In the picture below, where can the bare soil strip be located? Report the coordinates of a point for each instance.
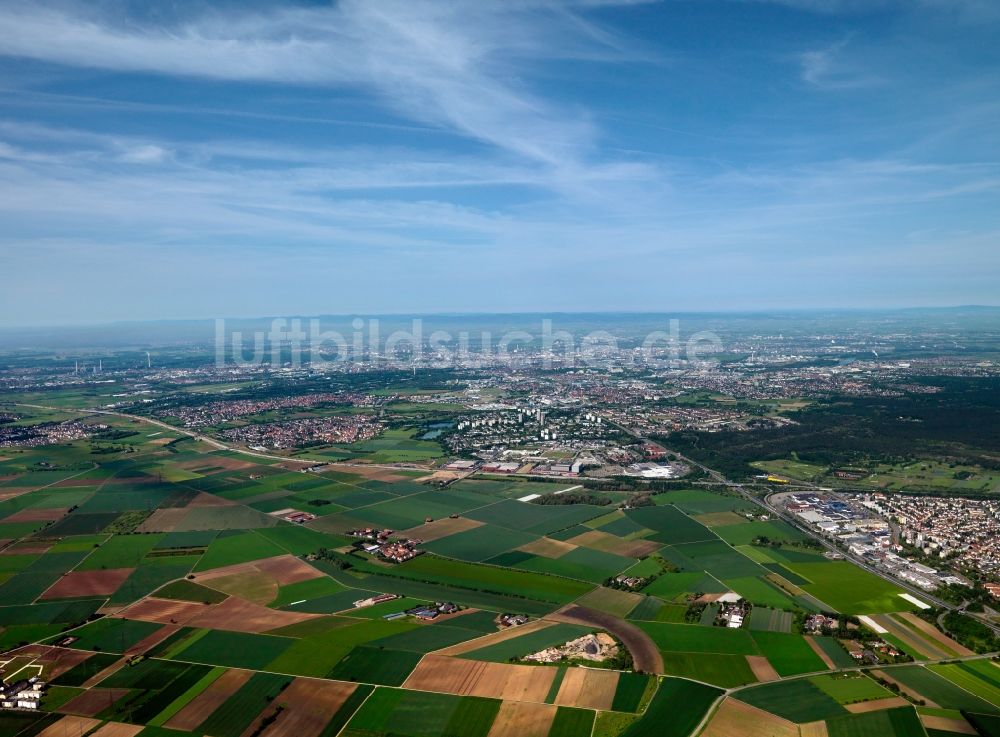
(87, 583)
(588, 688)
(933, 632)
(548, 548)
(518, 719)
(762, 669)
(439, 528)
(478, 678)
(239, 615)
(905, 690)
(70, 726)
(959, 726)
(736, 718)
(165, 611)
(877, 705)
(910, 639)
(201, 707)
(813, 729)
(306, 708)
(93, 701)
(117, 729)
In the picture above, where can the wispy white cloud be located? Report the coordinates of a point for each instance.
(833, 68)
(966, 10)
(455, 65)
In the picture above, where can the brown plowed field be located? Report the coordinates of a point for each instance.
(165, 611)
(93, 700)
(736, 718)
(210, 500)
(99, 677)
(282, 569)
(944, 724)
(10, 492)
(548, 548)
(442, 528)
(813, 729)
(243, 616)
(516, 719)
(163, 520)
(644, 652)
(876, 705)
(36, 515)
(372, 472)
(478, 678)
(588, 688)
(201, 706)
(117, 729)
(762, 669)
(217, 461)
(152, 640)
(609, 543)
(254, 586)
(88, 583)
(286, 569)
(27, 547)
(719, 519)
(70, 726)
(308, 704)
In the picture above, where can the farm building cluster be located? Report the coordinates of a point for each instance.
(380, 543)
(22, 694)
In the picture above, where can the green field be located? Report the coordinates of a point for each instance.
(239, 710)
(376, 665)
(480, 543)
(227, 551)
(570, 722)
(112, 635)
(789, 654)
(670, 525)
(539, 586)
(235, 649)
(418, 714)
(899, 722)
(526, 644)
(745, 533)
(798, 701)
(940, 690)
(975, 680)
(690, 638)
(850, 688)
(720, 670)
(675, 710)
(849, 589)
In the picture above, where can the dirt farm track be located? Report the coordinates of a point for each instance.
(645, 656)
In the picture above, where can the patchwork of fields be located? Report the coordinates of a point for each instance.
(246, 626)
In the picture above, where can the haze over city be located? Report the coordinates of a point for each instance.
(196, 160)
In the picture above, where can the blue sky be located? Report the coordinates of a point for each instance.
(189, 159)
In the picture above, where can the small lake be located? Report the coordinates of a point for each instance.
(435, 430)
